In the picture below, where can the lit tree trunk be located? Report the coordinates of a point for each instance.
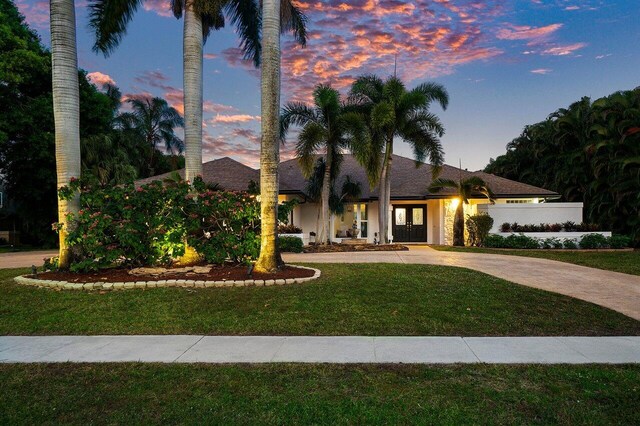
(458, 226)
(384, 200)
(326, 192)
(66, 110)
(269, 260)
(192, 63)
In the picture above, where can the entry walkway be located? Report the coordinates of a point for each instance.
(320, 349)
(24, 259)
(614, 290)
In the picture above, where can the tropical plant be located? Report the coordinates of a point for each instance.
(330, 127)
(109, 20)
(465, 188)
(393, 111)
(588, 152)
(290, 244)
(153, 120)
(66, 112)
(479, 226)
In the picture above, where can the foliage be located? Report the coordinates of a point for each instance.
(593, 241)
(588, 152)
(570, 244)
(551, 243)
(512, 241)
(478, 227)
(290, 244)
(149, 225)
(494, 241)
(618, 241)
(550, 227)
(289, 229)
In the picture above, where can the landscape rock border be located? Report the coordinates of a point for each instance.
(110, 286)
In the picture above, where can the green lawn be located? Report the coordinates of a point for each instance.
(627, 262)
(364, 299)
(318, 394)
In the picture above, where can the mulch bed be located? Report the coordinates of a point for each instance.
(337, 248)
(217, 273)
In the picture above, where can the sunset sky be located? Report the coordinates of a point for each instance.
(505, 63)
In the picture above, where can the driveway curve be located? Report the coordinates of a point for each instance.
(613, 290)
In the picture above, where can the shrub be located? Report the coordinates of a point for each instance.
(569, 226)
(593, 241)
(149, 225)
(3, 242)
(521, 242)
(549, 243)
(555, 227)
(505, 227)
(569, 244)
(619, 241)
(289, 229)
(290, 244)
(478, 227)
(494, 241)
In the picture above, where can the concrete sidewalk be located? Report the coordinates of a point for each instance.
(320, 349)
(24, 259)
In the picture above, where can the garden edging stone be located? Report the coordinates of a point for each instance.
(198, 283)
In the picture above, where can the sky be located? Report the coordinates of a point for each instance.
(505, 64)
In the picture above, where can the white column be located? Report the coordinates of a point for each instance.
(390, 224)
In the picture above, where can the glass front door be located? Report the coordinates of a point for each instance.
(409, 223)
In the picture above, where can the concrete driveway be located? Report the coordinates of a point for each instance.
(614, 290)
(24, 259)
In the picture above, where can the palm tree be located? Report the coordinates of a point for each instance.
(328, 126)
(393, 111)
(66, 111)
(464, 188)
(270, 259)
(109, 20)
(154, 121)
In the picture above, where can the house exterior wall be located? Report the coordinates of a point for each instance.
(532, 214)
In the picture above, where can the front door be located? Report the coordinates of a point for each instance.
(409, 223)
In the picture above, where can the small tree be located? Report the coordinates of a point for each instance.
(479, 226)
(464, 188)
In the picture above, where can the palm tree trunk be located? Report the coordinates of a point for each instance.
(458, 226)
(326, 192)
(270, 260)
(192, 65)
(66, 110)
(384, 199)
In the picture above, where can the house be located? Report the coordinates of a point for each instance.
(417, 215)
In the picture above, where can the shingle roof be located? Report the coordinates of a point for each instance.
(407, 180)
(226, 172)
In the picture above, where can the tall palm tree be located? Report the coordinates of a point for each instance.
(66, 111)
(465, 188)
(327, 126)
(154, 121)
(109, 20)
(393, 111)
(269, 259)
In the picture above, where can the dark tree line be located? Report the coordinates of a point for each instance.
(115, 147)
(588, 152)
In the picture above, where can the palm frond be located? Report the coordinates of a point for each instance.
(108, 20)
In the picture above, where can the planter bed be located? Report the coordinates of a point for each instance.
(336, 248)
(218, 276)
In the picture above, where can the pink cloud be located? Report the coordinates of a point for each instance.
(542, 71)
(234, 118)
(36, 14)
(100, 79)
(209, 56)
(563, 50)
(513, 32)
(159, 7)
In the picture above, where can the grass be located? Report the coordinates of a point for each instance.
(627, 262)
(318, 394)
(365, 299)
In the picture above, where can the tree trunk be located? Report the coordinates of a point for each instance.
(192, 63)
(270, 260)
(66, 111)
(458, 226)
(325, 230)
(384, 200)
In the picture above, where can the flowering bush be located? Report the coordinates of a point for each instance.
(149, 225)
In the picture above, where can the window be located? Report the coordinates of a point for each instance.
(364, 215)
(519, 201)
(401, 216)
(417, 216)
